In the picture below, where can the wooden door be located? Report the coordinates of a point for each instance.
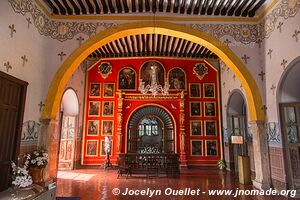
(12, 103)
(67, 143)
(290, 120)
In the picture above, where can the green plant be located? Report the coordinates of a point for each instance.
(221, 165)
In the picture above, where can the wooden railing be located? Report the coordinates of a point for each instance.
(148, 164)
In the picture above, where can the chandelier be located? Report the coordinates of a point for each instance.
(154, 87)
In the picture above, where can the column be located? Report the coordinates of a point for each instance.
(261, 155)
(119, 123)
(49, 140)
(182, 132)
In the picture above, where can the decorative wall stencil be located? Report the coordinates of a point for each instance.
(264, 108)
(12, 30)
(28, 22)
(295, 35)
(227, 42)
(8, 66)
(270, 53)
(41, 105)
(30, 131)
(234, 77)
(273, 132)
(262, 74)
(80, 40)
(273, 89)
(279, 27)
(283, 64)
(250, 135)
(245, 58)
(61, 55)
(200, 70)
(25, 59)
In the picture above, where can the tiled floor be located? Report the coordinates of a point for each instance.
(92, 184)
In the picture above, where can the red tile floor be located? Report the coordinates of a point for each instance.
(98, 184)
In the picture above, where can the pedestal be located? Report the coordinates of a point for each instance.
(244, 169)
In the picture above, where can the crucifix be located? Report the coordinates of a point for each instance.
(12, 30)
(283, 64)
(270, 53)
(80, 39)
(273, 88)
(279, 27)
(41, 105)
(245, 58)
(24, 58)
(227, 42)
(28, 22)
(295, 35)
(8, 66)
(262, 74)
(264, 108)
(61, 54)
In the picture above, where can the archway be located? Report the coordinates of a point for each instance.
(288, 97)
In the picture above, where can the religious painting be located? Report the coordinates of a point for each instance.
(108, 108)
(94, 90)
(210, 109)
(177, 79)
(195, 91)
(109, 90)
(127, 79)
(210, 128)
(91, 147)
(195, 127)
(211, 148)
(93, 127)
(195, 109)
(94, 108)
(196, 148)
(152, 69)
(102, 148)
(209, 90)
(107, 127)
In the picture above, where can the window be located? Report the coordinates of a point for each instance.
(148, 126)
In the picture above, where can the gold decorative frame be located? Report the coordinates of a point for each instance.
(99, 105)
(206, 148)
(103, 126)
(200, 70)
(191, 127)
(214, 107)
(185, 81)
(102, 148)
(191, 147)
(135, 76)
(90, 89)
(97, 147)
(88, 125)
(190, 87)
(205, 127)
(204, 89)
(113, 90)
(105, 69)
(109, 103)
(191, 103)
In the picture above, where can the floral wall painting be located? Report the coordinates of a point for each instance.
(177, 79)
(127, 79)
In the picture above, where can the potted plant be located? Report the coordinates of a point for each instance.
(37, 161)
(20, 176)
(221, 165)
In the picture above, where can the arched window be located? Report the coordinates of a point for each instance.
(148, 126)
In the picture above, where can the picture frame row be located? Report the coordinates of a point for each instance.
(93, 127)
(211, 148)
(92, 147)
(95, 90)
(209, 109)
(210, 128)
(108, 108)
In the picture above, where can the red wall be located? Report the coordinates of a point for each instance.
(130, 105)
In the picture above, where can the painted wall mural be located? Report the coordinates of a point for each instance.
(30, 132)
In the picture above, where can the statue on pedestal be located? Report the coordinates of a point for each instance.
(107, 149)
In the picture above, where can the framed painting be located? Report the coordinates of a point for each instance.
(91, 148)
(127, 79)
(209, 90)
(211, 148)
(177, 79)
(195, 109)
(107, 127)
(210, 109)
(94, 91)
(195, 127)
(102, 148)
(93, 127)
(210, 127)
(150, 68)
(194, 90)
(94, 108)
(108, 108)
(109, 90)
(196, 148)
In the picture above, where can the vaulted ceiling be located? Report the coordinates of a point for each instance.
(152, 45)
(239, 8)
